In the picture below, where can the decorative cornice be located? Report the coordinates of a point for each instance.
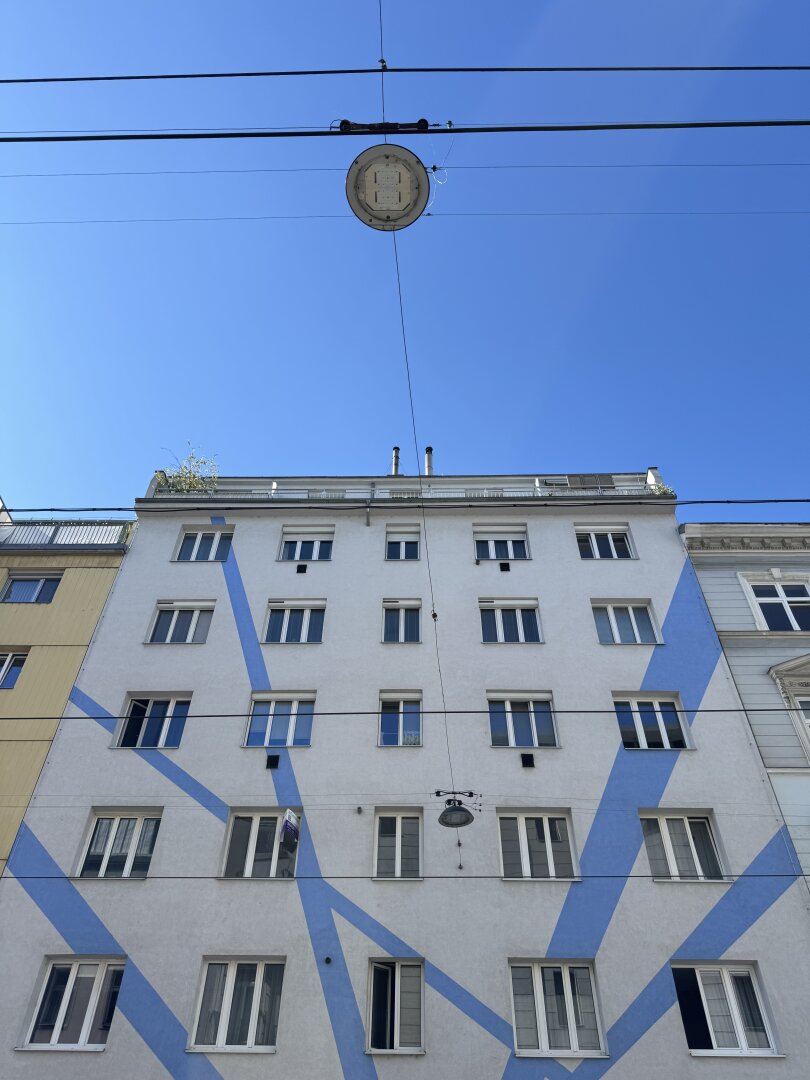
(746, 544)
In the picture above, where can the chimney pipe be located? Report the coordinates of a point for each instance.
(395, 462)
(428, 461)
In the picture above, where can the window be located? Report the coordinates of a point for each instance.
(289, 624)
(400, 722)
(205, 547)
(262, 845)
(11, 664)
(650, 724)
(503, 622)
(402, 544)
(120, 846)
(603, 545)
(784, 606)
(303, 547)
(395, 1005)
(515, 722)
(154, 722)
(681, 848)
(554, 1009)
(501, 546)
(77, 1004)
(30, 590)
(179, 624)
(401, 621)
(804, 707)
(281, 722)
(624, 624)
(721, 1010)
(239, 1004)
(535, 846)
(398, 844)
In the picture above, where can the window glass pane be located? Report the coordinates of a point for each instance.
(497, 723)
(411, 549)
(621, 546)
(223, 547)
(510, 626)
(258, 723)
(49, 587)
(263, 856)
(653, 841)
(560, 847)
(672, 725)
(801, 613)
(295, 624)
(624, 714)
(645, 626)
(145, 848)
(77, 1005)
(624, 625)
(21, 591)
(241, 1004)
(280, 725)
(238, 847)
(584, 545)
(510, 847)
(501, 549)
(201, 629)
(274, 624)
(765, 590)
(13, 672)
(391, 625)
(603, 545)
(285, 861)
(489, 627)
(392, 549)
(795, 591)
(204, 550)
(303, 723)
(603, 627)
(411, 723)
(410, 1005)
(306, 549)
(132, 730)
(177, 723)
(382, 1006)
(409, 850)
(518, 549)
(719, 1012)
(691, 1006)
(120, 847)
(584, 1008)
(95, 852)
(704, 846)
(684, 859)
(753, 1021)
(538, 856)
(182, 625)
(482, 549)
(269, 1003)
(186, 548)
(288, 550)
(411, 624)
(211, 1005)
(100, 1029)
(315, 629)
(162, 624)
(51, 1002)
(325, 550)
(526, 1037)
(531, 631)
(154, 723)
(556, 1013)
(544, 722)
(522, 724)
(649, 725)
(386, 846)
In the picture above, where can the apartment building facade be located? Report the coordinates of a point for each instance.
(756, 580)
(234, 867)
(54, 579)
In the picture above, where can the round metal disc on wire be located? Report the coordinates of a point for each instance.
(387, 187)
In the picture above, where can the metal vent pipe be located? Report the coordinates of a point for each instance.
(428, 461)
(395, 462)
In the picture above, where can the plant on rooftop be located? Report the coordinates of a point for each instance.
(194, 474)
(664, 489)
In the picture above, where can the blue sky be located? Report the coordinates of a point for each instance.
(631, 320)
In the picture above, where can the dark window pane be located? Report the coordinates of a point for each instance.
(386, 846)
(649, 725)
(621, 546)
(411, 624)
(280, 726)
(624, 715)
(177, 723)
(201, 628)
(315, 630)
(263, 855)
(295, 624)
(518, 549)
(274, 624)
(526, 1037)
(584, 1008)
(204, 550)
(489, 626)
(603, 627)
(672, 725)
(410, 1005)
(584, 545)
(21, 591)
(624, 625)
(510, 847)
(162, 624)
(325, 550)
(678, 837)
(223, 547)
(132, 729)
(307, 548)
(51, 1002)
(182, 625)
(411, 549)
(120, 848)
(76, 1013)
(45, 594)
(603, 545)
(154, 724)
(801, 613)
(303, 724)
(482, 549)
(795, 591)
(186, 548)
(211, 1005)
(776, 616)
(765, 590)
(269, 1003)
(391, 626)
(237, 849)
(531, 629)
(704, 846)
(510, 626)
(411, 723)
(409, 847)
(389, 723)
(392, 549)
(95, 852)
(145, 848)
(382, 1006)
(698, 1036)
(258, 723)
(753, 1021)
(659, 867)
(285, 860)
(241, 1005)
(538, 856)
(544, 723)
(560, 847)
(13, 672)
(497, 723)
(501, 549)
(645, 626)
(522, 724)
(556, 1012)
(288, 551)
(100, 1029)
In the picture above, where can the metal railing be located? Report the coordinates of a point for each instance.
(64, 534)
(429, 490)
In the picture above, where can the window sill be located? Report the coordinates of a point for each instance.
(657, 749)
(544, 880)
(230, 1050)
(396, 1053)
(569, 1055)
(38, 1049)
(399, 643)
(399, 746)
(736, 1054)
(513, 642)
(692, 881)
(631, 644)
(400, 880)
(291, 643)
(273, 748)
(264, 880)
(525, 749)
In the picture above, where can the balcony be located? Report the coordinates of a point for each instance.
(65, 535)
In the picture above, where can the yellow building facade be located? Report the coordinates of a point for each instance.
(54, 581)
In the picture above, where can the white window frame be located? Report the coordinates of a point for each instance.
(304, 698)
(540, 1011)
(220, 1046)
(749, 581)
(250, 856)
(199, 531)
(402, 536)
(398, 962)
(399, 699)
(801, 703)
(301, 536)
(173, 700)
(591, 530)
(6, 660)
(518, 605)
(525, 862)
(656, 700)
(672, 862)
(41, 578)
(509, 536)
(197, 607)
(629, 604)
(726, 971)
(307, 606)
(523, 699)
(117, 816)
(382, 812)
(402, 606)
(75, 962)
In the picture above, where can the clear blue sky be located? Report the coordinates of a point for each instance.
(587, 341)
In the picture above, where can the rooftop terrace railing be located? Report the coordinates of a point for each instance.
(429, 490)
(64, 534)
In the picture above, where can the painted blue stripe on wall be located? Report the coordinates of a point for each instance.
(67, 910)
(92, 709)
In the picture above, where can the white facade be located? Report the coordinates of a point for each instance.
(457, 924)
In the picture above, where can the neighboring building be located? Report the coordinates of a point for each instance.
(266, 671)
(756, 580)
(54, 579)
